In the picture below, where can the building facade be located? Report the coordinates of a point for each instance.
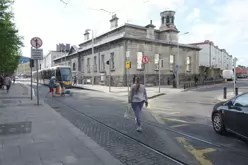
(213, 60)
(48, 60)
(102, 60)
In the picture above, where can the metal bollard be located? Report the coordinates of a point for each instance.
(236, 91)
(224, 94)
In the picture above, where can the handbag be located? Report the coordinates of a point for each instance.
(128, 112)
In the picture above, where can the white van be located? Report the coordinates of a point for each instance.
(228, 75)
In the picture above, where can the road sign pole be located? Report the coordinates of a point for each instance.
(159, 64)
(144, 74)
(110, 75)
(37, 79)
(31, 95)
(145, 60)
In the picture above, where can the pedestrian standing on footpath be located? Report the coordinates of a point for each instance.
(7, 82)
(14, 79)
(134, 77)
(75, 80)
(137, 99)
(52, 85)
(1, 82)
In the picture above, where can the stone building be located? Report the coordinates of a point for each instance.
(131, 43)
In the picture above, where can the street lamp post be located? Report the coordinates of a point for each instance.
(92, 46)
(178, 52)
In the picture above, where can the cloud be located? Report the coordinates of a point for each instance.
(54, 23)
(226, 27)
(193, 16)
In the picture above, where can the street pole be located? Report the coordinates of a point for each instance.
(177, 70)
(61, 56)
(37, 77)
(234, 79)
(159, 66)
(144, 74)
(110, 74)
(92, 33)
(31, 83)
(177, 65)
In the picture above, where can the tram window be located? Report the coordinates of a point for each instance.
(49, 74)
(66, 74)
(58, 75)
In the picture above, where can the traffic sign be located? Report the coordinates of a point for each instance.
(145, 60)
(128, 64)
(37, 54)
(128, 54)
(36, 42)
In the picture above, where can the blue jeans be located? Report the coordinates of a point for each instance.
(137, 107)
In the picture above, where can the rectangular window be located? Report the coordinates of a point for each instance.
(172, 62)
(88, 65)
(156, 61)
(188, 68)
(140, 65)
(82, 65)
(95, 64)
(102, 63)
(112, 59)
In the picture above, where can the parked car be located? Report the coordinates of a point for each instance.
(232, 116)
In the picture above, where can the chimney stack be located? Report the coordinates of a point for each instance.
(150, 30)
(114, 21)
(86, 35)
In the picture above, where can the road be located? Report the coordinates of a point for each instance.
(167, 138)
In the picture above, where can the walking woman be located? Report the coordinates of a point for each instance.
(138, 97)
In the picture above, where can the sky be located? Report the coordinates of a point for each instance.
(224, 22)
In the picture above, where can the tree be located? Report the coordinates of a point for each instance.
(10, 41)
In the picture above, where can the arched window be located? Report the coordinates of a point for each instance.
(74, 66)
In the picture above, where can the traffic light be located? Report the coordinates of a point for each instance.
(31, 63)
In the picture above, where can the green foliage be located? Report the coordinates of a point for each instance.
(10, 41)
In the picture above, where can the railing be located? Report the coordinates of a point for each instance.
(192, 84)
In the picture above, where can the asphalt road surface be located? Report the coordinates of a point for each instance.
(166, 139)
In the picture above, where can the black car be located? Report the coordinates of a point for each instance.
(232, 116)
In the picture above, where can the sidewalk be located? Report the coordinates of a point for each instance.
(152, 92)
(37, 135)
(228, 96)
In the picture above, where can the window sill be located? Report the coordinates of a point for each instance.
(102, 71)
(112, 70)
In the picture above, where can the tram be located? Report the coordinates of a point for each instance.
(62, 74)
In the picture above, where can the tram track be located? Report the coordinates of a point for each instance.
(161, 153)
(220, 146)
(165, 128)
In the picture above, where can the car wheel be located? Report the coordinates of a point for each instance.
(218, 124)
